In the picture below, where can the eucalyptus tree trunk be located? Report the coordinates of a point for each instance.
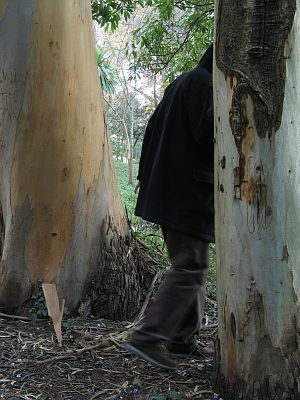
(62, 219)
(257, 86)
(130, 144)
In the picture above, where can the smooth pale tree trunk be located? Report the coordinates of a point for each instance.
(63, 221)
(130, 145)
(257, 159)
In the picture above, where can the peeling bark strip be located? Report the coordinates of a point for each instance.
(54, 310)
(250, 46)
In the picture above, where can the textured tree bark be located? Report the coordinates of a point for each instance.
(60, 206)
(257, 93)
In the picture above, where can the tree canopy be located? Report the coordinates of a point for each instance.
(169, 36)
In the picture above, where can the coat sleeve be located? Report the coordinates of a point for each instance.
(146, 141)
(200, 110)
(148, 133)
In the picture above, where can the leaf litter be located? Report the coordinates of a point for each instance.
(92, 363)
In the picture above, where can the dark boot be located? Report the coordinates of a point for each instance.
(188, 349)
(152, 353)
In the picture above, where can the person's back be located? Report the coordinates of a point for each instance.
(178, 155)
(176, 191)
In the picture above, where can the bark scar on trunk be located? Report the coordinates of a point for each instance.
(282, 384)
(249, 177)
(253, 52)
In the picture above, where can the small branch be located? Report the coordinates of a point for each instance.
(18, 317)
(207, 327)
(146, 247)
(69, 354)
(210, 301)
(178, 4)
(147, 97)
(169, 57)
(143, 244)
(148, 297)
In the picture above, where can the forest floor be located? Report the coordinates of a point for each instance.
(93, 365)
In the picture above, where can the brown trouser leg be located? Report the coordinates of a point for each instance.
(177, 312)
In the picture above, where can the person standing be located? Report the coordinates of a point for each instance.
(176, 191)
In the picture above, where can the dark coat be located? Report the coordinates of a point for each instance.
(176, 166)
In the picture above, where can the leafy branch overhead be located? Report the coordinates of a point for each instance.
(169, 36)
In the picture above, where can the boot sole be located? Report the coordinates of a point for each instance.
(137, 352)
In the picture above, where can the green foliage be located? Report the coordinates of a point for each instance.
(118, 113)
(109, 13)
(38, 309)
(127, 191)
(149, 233)
(212, 273)
(170, 36)
(107, 73)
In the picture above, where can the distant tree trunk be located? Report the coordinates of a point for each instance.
(258, 199)
(130, 158)
(63, 221)
(130, 144)
(155, 96)
(128, 132)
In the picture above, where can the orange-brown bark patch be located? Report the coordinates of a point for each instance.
(60, 131)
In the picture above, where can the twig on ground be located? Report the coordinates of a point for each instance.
(69, 354)
(143, 244)
(213, 302)
(214, 332)
(211, 326)
(146, 247)
(147, 299)
(20, 318)
(97, 394)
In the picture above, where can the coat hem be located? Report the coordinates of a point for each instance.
(170, 225)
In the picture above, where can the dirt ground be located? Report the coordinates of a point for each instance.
(93, 365)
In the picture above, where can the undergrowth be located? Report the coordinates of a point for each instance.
(150, 234)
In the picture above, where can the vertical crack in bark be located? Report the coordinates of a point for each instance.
(250, 46)
(257, 19)
(2, 230)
